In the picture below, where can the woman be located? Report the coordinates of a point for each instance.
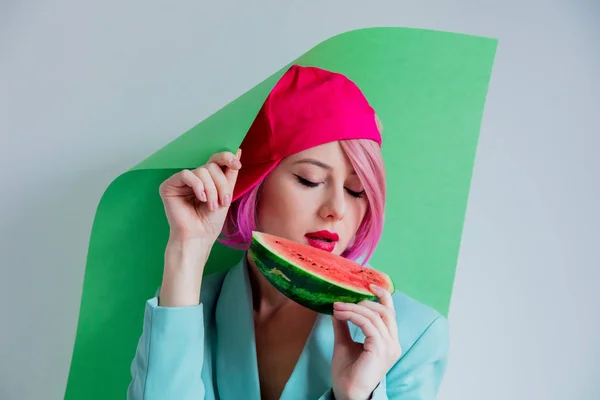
(310, 170)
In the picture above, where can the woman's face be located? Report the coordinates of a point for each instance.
(313, 197)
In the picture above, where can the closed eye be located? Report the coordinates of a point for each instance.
(306, 182)
(312, 184)
(355, 194)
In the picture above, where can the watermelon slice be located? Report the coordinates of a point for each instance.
(313, 277)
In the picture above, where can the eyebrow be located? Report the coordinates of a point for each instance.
(313, 162)
(317, 163)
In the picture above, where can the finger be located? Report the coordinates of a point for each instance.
(384, 296)
(364, 323)
(226, 159)
(188, 178)
(209, 187)
(221, 184)
(386, 300)
(228, 162)
(371, 315)
(341, 331)
(231, 173)
(387, 314)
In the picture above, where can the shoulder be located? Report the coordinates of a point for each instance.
(424, 339)
(416, 320)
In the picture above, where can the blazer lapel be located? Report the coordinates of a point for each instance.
(311, 377)
(236, 368)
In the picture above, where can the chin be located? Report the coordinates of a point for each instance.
(338, 250)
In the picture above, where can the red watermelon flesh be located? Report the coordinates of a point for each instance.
(312, 276)
(319, 262)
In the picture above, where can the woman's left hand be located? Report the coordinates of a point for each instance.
(358, 368)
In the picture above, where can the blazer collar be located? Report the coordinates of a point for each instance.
(236, 365)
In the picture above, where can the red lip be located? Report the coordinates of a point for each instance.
(324, 235)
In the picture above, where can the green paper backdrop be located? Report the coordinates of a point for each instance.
(429, 90)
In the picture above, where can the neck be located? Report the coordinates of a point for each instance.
(266, 298)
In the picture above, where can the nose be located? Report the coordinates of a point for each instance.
(334, 205)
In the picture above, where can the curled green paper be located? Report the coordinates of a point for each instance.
(429, 90)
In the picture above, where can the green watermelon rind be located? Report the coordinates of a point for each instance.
(310, 290)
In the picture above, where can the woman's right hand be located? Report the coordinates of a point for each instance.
(196, 201)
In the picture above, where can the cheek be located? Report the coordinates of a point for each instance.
(355, 214)
(281, 210)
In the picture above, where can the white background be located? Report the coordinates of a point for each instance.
(88, 89)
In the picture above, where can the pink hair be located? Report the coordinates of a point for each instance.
(365, 156)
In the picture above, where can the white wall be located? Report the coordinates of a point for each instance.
(87, 89)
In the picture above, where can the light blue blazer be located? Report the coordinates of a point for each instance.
(208, 351)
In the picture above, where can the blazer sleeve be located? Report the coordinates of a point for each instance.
(419, 372)
(169, 355)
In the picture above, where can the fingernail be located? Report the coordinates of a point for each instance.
(214, 205)
(226, 200)
(375, 288)
(237, 164)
